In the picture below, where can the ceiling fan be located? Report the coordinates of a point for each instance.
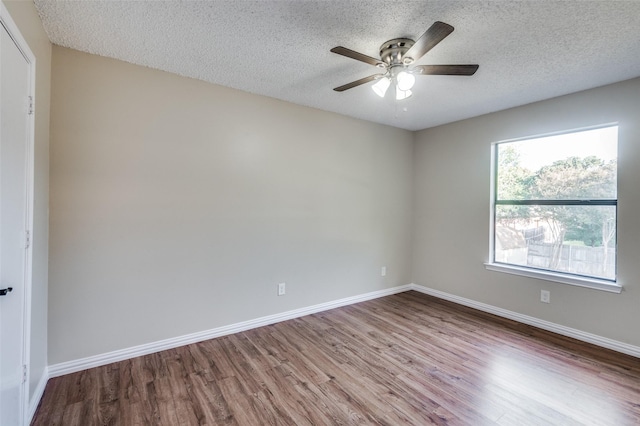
(397, 55)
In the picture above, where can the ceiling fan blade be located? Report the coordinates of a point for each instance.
(446, 69)
(357, 56)
(434, 35)
(358, 82)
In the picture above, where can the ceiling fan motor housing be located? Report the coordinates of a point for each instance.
(392, 52)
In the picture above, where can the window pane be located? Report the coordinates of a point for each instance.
(573, 239)
(571, 166)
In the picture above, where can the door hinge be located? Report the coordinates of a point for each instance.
(24, 373)
(30, 111)
(27, 239)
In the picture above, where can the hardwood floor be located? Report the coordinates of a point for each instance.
(403, 359)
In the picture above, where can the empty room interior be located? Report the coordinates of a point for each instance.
(324, 212)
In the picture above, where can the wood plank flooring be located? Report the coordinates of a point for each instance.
(407, 359)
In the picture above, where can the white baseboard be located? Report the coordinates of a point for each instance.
(132, 352)
(604, 342)
(37, 395)
(135, 351)
(127, 353)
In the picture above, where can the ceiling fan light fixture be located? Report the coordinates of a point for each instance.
(405, 80)
(402, 94)
(381, 86)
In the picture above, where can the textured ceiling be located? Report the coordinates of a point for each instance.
(527, 50)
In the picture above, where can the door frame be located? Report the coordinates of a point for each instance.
(12, 29)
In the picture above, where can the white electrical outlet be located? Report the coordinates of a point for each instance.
(383, 271)
(282, 289)
(545, 296)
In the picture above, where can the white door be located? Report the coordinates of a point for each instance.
(14, 149)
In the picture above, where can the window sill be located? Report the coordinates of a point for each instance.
(593, 283)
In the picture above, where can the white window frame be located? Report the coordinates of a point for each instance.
(613, 286)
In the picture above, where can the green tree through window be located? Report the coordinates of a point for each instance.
(556, 201)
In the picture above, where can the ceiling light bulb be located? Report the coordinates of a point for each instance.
(402, 94)
(405, 80)
(381, 86)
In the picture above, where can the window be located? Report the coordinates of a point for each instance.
(554, 206)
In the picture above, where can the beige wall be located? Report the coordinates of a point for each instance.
(177, 206)
(451, 228)
(26, 18)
